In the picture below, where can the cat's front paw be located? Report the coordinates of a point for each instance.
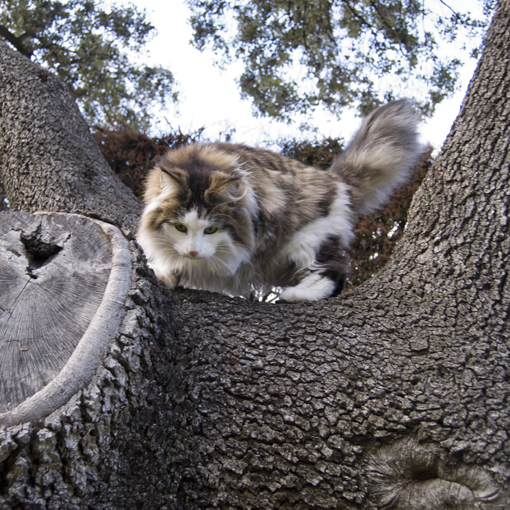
(311, 288)
(295, 295)
(169, 279)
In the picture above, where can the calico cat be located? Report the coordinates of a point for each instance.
(243, 221)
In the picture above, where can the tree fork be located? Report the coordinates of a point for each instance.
(393, 395)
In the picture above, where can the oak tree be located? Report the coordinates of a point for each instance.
(394, 395)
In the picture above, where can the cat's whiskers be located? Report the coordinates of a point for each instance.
(240, 253)
(234, 275)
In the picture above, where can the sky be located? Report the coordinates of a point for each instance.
(210, 98)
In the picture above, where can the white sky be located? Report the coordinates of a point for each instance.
(209, 96)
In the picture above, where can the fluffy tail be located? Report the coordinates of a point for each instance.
(380, 156)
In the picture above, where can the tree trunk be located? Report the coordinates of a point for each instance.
(48, 159)
(395, 395)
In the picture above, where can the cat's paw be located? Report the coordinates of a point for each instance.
(169, 279)
(311, 288)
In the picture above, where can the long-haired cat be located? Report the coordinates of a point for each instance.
(242, 221)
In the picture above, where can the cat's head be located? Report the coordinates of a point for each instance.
(199, 204)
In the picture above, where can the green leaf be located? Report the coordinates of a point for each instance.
(347, 50)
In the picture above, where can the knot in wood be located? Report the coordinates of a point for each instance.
(409, 475)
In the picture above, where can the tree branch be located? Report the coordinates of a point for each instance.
(454, 12)
(15, 41)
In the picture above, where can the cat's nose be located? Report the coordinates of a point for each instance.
(193, 253)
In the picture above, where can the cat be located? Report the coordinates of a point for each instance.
(245, 221)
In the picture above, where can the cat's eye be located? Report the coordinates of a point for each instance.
(210, 230)
(181, 228)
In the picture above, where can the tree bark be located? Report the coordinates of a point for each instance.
(395, 395)
(48, 158)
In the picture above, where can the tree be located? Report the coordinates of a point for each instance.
(394, 395)
(95, 52)
(346, 50)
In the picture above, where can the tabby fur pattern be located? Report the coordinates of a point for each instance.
(246, 221)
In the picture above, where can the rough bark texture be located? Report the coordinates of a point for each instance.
(395, 395)
(48, 158)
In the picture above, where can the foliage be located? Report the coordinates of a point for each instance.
(131, 154)
(346, 50)
(319, 154)
(94, 51)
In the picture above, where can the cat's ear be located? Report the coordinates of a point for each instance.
(171, 178)
(155, 182)
(228, 187)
